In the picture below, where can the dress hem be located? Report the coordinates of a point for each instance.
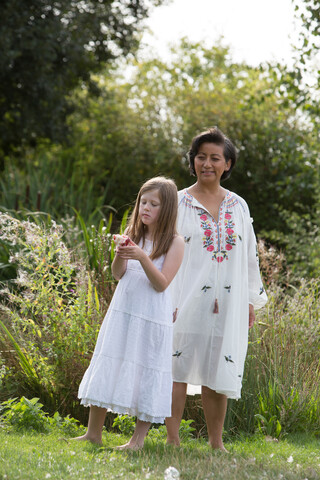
(121, 410)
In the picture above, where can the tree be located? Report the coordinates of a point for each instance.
(47, 49)
(308, 12)
(143, 126)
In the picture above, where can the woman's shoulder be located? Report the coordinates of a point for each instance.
(181, 193)
(235, 199)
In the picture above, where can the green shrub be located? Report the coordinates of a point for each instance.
(24, 414)
(50, 316)
(125, 424)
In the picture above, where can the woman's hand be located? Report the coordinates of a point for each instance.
(252, 316)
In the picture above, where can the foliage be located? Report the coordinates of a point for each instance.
(300, 239)
(51, 184)
(143, 124)
(54, 302)
(27, 415)
(124, 424)
(186, 430)
(280, 392)
(47, 50)
(51, 304)
(281, 382)
(268, 419)
(308, 12)
(24, 414)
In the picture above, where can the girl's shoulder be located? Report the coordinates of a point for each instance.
(177, 243)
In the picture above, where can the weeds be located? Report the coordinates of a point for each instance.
(27, 415)
(52, 304)
(51, 314)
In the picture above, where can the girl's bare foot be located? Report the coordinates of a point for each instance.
(128, 446)
(85, 437)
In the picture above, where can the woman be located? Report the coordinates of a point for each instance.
(216, 289)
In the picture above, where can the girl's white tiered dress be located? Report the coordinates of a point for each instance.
(217, 280)
(131, 368)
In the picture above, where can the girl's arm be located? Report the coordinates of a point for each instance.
(118, 266)
(160, 280)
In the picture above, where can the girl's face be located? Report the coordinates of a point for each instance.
(149, 207)
(210, 163)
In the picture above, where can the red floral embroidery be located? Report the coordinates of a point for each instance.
(214, 241)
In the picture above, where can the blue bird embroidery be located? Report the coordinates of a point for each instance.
(205, 288)
(177, 354)
(228, 358)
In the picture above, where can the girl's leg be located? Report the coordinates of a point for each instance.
(97, 416)
(179, 392)
(215, 408)
(137, 440)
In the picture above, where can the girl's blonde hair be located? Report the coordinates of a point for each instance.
(165, 228)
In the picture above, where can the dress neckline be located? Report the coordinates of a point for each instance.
(196, 203)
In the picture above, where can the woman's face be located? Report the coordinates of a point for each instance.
(210, 163)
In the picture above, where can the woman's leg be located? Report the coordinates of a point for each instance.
(215, 408)
(97, 416)
(179, 392)
(137, 440)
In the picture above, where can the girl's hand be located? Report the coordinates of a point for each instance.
(131, 251)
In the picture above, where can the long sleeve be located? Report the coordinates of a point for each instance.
(257, 295)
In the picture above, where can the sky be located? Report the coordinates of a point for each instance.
(256, 30)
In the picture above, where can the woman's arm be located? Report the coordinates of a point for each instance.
(160, 280)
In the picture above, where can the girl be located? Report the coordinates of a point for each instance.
(130, 371)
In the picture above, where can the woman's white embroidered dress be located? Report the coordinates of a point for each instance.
(219, 273)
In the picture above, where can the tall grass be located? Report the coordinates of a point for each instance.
(51, 314)
(281, 385)
(55, 186)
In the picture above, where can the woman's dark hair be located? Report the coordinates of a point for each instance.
(213, 135)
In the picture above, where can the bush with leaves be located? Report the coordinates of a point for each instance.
(50, 315)
(24, 414)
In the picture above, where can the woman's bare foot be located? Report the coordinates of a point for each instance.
(175, 442)
(220, 447)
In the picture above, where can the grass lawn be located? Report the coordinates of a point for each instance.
(51, 456)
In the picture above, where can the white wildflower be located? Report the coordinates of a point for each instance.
(290, 459)
(22, 278)
(171, 473)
